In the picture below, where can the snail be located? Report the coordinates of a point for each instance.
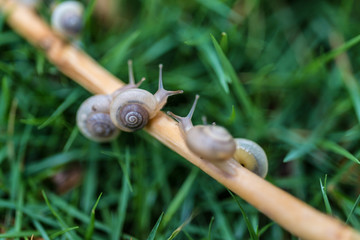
(131, 109)
(94, 121)
(93, 118)
(67, 18)
(215, 143)
(210, 142)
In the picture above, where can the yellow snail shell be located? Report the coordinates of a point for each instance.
(250, 155)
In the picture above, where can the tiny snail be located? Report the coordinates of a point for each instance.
(67, 18)
(210, 142)
(215, 143)
(94, 121)
(131, 109)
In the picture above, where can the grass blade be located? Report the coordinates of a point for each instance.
(71, 139)
(325, 58)
(88, 11)
(67, 103)
(53, 161)
(250, 227)
(59, 233)
(5, 99)
(41, 230)
(90, 229)
(116, 55)
(353, 208)
(180, 196)
(325, 197)
(123, 201)
(60, 220)
(155, 228)
(233, 78)
(332, 146)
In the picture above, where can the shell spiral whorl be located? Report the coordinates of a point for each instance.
(72, 23)
(133, 116)
(100, 125)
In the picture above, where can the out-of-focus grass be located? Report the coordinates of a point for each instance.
(264, 69)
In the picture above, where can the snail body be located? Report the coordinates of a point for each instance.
(215, 143)
(210, 142)
(94, 121)
(67, 18)
(131, 109)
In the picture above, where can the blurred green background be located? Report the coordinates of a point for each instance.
(281, 73)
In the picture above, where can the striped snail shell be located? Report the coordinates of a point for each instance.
(210, 142)
(94, 121)
(67, 18)
(131, 109)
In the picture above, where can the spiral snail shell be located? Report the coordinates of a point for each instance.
(215, 143)
(131, 109)
(94, 121)
(67, 18)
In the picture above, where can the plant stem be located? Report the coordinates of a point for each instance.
(291, 213)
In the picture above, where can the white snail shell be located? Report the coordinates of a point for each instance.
(131, 109)
(250, 155)
(66, 18)
(94, 121)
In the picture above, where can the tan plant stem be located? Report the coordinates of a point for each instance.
(289, 212)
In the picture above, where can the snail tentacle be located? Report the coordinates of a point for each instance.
(162, 95)
(185, 122)
(131, 83)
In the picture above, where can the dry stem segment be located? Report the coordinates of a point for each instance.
(291, 213)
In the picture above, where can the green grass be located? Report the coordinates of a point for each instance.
(264, 69)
